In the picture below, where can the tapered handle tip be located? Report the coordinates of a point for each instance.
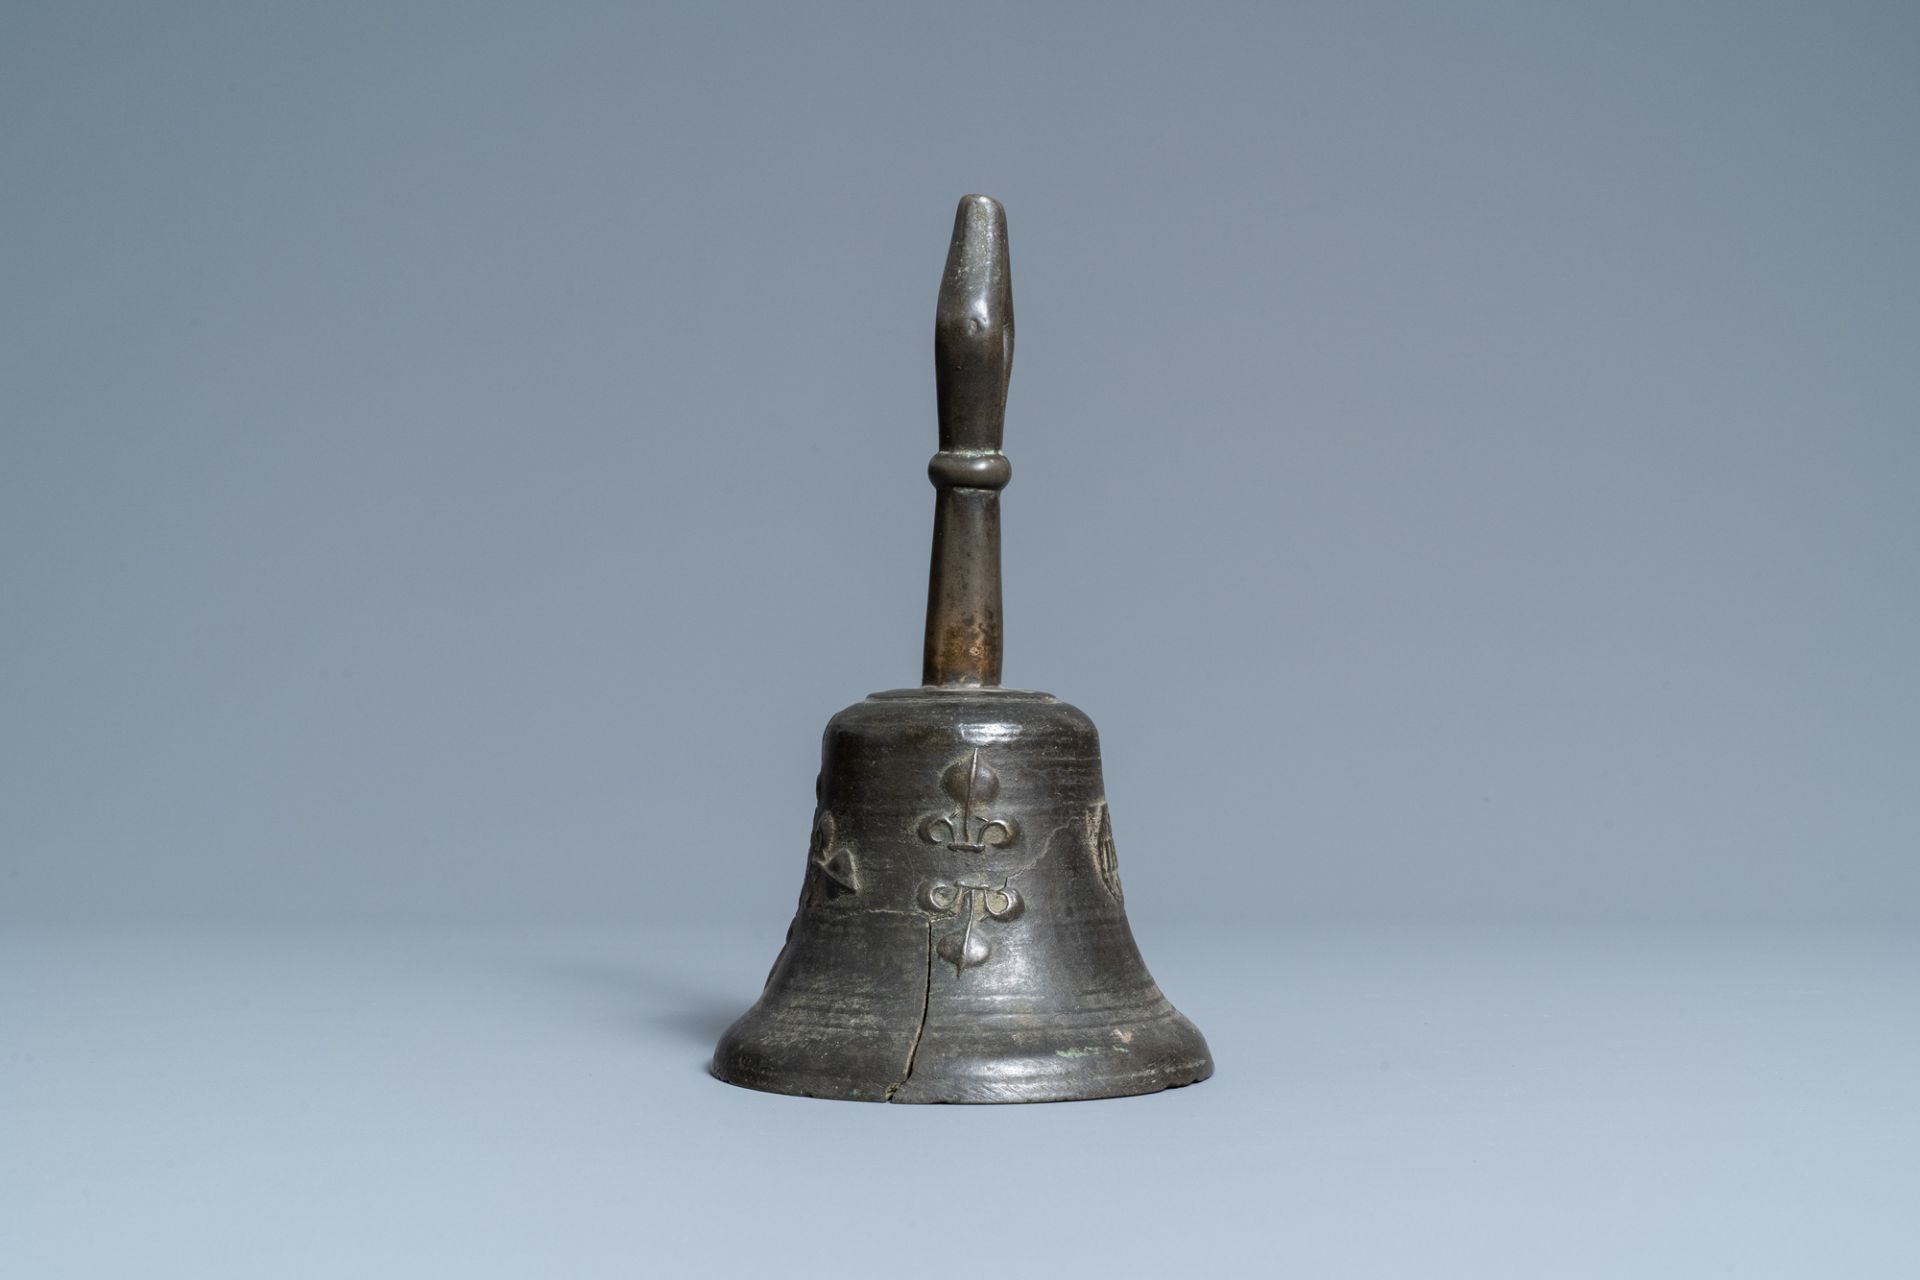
(973, 328)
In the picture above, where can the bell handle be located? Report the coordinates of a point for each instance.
(973, 358)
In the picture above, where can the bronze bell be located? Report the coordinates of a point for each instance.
(961, 935)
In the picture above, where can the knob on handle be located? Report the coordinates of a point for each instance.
(973, 358)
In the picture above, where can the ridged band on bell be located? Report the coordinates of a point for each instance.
(961, 934)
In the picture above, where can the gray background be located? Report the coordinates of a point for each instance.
(456, 457)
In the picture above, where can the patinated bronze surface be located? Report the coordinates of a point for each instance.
(961, 935)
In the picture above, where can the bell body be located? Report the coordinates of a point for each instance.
(961, 935)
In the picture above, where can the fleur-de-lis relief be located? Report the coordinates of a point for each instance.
(971, 899)
(835, 866)
(1105, 861)
(971, 783)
